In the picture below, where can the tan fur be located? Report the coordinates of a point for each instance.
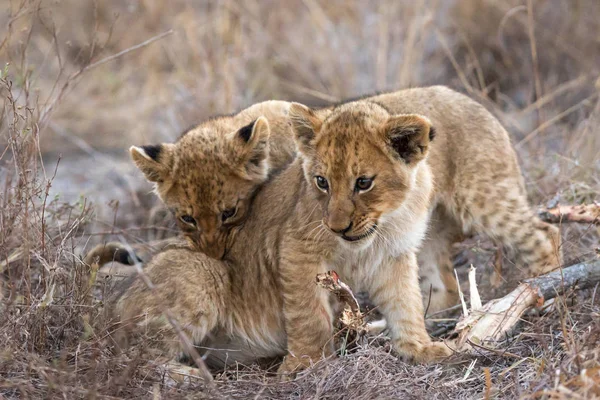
(211, 169)
(260, 299)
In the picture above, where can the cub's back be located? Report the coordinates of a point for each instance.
(470, 143)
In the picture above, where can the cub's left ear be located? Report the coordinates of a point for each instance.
(409, 136)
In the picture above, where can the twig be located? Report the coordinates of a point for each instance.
(499, 316)
(559, 90)
(455, 307)
(351, 316)
(534, 58)
(128, 50)
(556, 118)
(74, 77)
(500, 353)
(584, 213)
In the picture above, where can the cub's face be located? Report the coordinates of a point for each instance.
(360, 161)
(208, 179)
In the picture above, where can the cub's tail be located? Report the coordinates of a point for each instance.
(109, 252)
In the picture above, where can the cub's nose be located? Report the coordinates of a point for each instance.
(341, 231)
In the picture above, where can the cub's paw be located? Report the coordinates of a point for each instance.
(422, 353)
(176, 374)
(291, 366)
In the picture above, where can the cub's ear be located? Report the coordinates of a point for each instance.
(251, 145)
(155, 161)
(305, 124)
(409, 136)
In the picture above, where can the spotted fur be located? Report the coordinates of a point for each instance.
(465, 176)
(216, 167)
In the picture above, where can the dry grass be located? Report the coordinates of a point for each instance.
(67, 120)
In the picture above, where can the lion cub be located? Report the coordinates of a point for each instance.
(209, 176)
(376, 170)
(358, 199)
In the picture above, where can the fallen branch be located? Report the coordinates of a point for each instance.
(498, 317)
(583, 213)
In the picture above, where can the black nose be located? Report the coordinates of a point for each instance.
(343, 231)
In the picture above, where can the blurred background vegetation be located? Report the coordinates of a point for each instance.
(533, 63)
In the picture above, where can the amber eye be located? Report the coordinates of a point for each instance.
(228, 214)
(322, 183)
(188, 219)
(363, 184)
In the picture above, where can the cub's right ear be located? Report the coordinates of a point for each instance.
(249, 148)
(155, 161)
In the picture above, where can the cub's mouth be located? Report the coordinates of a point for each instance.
(368, 233)
(216, 247)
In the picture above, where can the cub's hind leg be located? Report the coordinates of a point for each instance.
(502, 212)
(436, 271)
(190, 286)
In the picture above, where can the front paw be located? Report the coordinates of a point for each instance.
(176, 374)
(422, 353)
(291, 366)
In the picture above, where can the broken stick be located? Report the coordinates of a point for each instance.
(583, 213)
(499, 316)
(351, 316)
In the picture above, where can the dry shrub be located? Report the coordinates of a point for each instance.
(64, 127)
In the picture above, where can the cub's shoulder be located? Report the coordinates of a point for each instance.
(269, 109)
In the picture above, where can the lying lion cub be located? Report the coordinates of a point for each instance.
(357, 199)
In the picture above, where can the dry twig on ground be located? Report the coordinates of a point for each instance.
(583, 213)
(499, 316)
(351, 316)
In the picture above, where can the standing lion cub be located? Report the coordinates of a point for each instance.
(358, 199)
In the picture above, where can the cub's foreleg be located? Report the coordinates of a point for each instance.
(394, 289)
(307, 312)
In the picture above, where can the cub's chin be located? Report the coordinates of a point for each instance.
(360, 241)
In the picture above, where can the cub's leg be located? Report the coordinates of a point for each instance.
(502, 212)
(394, 289)
(436, 270)
(307, 312)
(193, 287)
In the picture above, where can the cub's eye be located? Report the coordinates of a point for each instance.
(363, 184)
(228, 213)
(188, 219)
(322, 183)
